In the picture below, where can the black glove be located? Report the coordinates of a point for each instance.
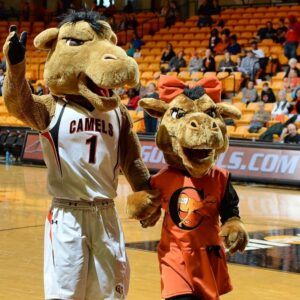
(17, 48)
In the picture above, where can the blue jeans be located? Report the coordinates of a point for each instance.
(150, 123)
(290, 49)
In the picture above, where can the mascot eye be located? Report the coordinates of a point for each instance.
(177, 113)
(212, 113)
(74, 42)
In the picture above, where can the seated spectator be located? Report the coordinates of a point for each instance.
(1, 81)
(259, 53)
(137, 53)
(214, 39)
(177, 62)
(134, 98)
(290, 135)
(136, 41)
(267, 95)
(222, 45)
(292, 66)
(267, 32)
(282, 106)
(131, 50)
(260, 119)
(209, 64)
(249, 65)
(226, 65)
(39, 89)
(280, 32)
(195, 63)
(234, 47)
(132, 23)
(150, 122)
(292, 81)
(168, 54)
(296, 102)
(249, 93)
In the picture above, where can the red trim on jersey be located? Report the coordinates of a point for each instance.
(48, 136)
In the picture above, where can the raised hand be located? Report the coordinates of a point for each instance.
(17, 47)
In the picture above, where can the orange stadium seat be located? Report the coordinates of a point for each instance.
(196, 76)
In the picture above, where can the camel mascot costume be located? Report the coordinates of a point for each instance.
(86, 136)
(194, 193)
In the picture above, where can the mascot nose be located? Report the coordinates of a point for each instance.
(109, 56)
(194, 125)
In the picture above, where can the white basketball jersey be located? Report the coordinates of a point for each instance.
(81, 151)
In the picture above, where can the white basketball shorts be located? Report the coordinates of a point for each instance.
(84, 255)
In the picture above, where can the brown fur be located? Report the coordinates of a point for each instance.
(66, 72)
(192, 143)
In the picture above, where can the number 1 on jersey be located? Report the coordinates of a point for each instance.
(93, 145)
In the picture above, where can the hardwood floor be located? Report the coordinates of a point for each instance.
(262, 273)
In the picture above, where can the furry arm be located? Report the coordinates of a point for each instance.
(131, 162)
(34, 111)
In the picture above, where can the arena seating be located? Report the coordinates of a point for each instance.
(244, 22)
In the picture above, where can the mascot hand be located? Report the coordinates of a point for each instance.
(235, 235)
(17, 47)
(143, 204)
(152, 219)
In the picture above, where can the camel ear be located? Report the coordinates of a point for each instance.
(46, 38)
(228, 111)
(154, 107)
(108, 33)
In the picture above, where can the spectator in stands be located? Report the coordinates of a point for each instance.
(209, 64)
(292, 67)
(136, 41)
(292, 81)
(214, 39)
(195, 63)
(137, 53)
(249, 93)
(267, 32)
(131, 50)
(177, 62)
(170, 14)
(128, 8)
(227, 64)
(267, 94)
(205, 10)
(249, 65)
(150, 122)
(259, 53)
(168, 54)
(282, 106)
(234, 47)
(134, 98)
(39, 89)
(132, 23)
(3, 64)
(1, 80)
(25, 10)
(296, 102)
(292, 38)
(222, 45)
(290, 135)
(260, 119)
(280, 32)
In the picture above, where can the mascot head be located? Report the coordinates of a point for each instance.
(192, 131)
(84, 60)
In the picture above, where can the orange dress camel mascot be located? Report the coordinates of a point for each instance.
(195, 194)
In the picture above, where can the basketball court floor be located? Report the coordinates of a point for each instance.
(269, 269)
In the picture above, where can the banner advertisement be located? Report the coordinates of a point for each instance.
(246, 162)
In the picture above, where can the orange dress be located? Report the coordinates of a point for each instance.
(191, 256)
